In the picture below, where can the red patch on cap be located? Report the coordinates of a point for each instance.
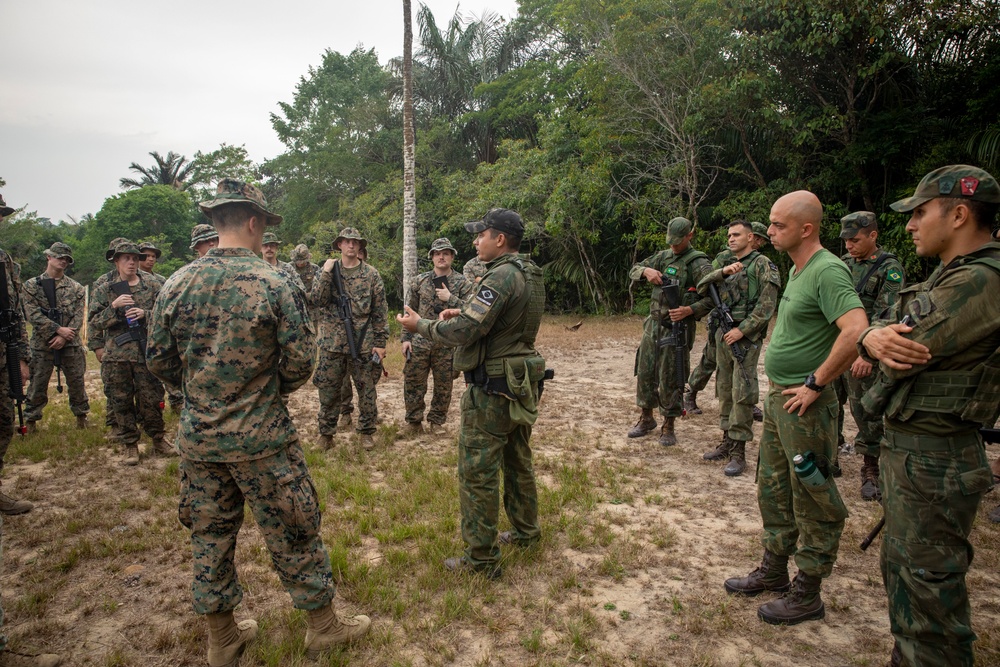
(969, 185)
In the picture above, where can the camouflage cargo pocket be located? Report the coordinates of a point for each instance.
(184, 504)
(827, 497)
(297, 504)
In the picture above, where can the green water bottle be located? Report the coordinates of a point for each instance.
(805, 468)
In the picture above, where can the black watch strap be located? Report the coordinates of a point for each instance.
(811, 383)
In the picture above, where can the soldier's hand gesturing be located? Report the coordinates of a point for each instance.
(449, 313)
(408, 319)
(732, 269)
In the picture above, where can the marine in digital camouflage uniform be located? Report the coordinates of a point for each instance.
(749, 287)
(660, 389)
(369, 310)
(424, 356)
(494, 336)
(133, 395)
(474, 270)
(62, 333)
(347, 388)
(939, 384)
(153, 254)
(269, 251)
(819, 319)
(237, 335)
(203, 238)
(307, 272)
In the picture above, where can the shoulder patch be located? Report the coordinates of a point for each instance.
(894, 276)
(486, 295)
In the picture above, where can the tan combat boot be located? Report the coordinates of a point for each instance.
(8, 659)
(801, 603)
(30, 427)
(326, 441)
(721, 450)
(12, 507)
(345, 420)
(81, 422)
(227, 639)
(326, 628)
(667, 437)
(161, 448)
(772, 575)
(367, 441)
(645, 425)
(737, 458)
(412, 429)
(131, 455)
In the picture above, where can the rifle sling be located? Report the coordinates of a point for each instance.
(338, 283)
(883, 256)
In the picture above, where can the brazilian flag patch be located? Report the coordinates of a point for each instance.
(894, 276)
(671, 270)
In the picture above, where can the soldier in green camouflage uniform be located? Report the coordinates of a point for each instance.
(422, 356)
(369, 310)
(702, 373)
(681, 262)
(474, 270)
(133, 394)
(939, 385)
(237, 335)
(494, 336)
(819, 319)
(749, 287)
(48, 335)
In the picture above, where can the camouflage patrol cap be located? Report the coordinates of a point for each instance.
(112, 244)
(503, 220)
(959, 181)
(202, 233)
(852, 223)
(146, 245)
(59, 250)
(760, 230)
(300, 253)
(270, 238)
(233, 191)
(4, 209)
(349, 233)
(677, 229)
(441, 244)
(126, 248)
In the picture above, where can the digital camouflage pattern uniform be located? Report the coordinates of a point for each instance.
(369, 309)
(133, 394)
(702, 373)
(934, 470)
(14, 295)
(70, 299)
(428, 357)
(236, 335)
(474, 270)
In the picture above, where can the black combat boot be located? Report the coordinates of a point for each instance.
(645, 425)
(667, 437)
(691, 402)
(801, 603)
(772, 575)
(721, 451)
(869, 479)
(758, 414)
(737, 458)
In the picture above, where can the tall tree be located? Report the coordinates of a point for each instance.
(169, 170)
(409, 183)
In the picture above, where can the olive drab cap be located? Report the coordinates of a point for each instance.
(59, 250)
(349, 233)
(958, 181)
(300, 253)
(202, 233)
(852, 223)
(503, 220)
(4, 209)
(269, 238)
(760, 230)
(232, 191)
(126, 248)
(440, 244)
(677, 229)
(112, 244)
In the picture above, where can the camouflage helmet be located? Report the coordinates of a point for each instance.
(202, 233)
(349, 233)
(233, 191)
(760, 230)
(852, 223)
(4, 209)
(126, 248)
(59, 250)
(148, 245)
(270, 238)
(959, 181)
(677, 229)
(441, 244)
(112, 244)
(300, 253)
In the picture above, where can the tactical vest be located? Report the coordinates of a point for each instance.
(680, 265)
(868, 293)
(743, 288)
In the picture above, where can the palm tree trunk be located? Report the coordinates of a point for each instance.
(409, 185)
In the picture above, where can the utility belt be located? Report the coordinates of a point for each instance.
(496, 385)
(492, 375)
(932, 443)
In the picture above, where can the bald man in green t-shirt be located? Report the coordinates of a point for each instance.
(819, 319)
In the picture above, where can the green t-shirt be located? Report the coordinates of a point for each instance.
(804, 334)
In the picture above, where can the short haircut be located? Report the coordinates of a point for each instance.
(513, 242)
(741, 223)
(984, 213)
(233, 216)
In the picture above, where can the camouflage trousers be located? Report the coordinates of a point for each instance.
(839, 385)
(489, 442)
(736, 399)
(664, 391)
(702, 373)
(74, 366)
(134, 395)
(175, 397)
(933, 489)
(795, 513)
(7, 413)
(427, 360)
(346, 396)
(869, 438)
(285, 506)
(331, 370)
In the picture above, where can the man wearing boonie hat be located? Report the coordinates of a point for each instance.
(655, 369)
(153, 255)
(301, 261)
(269, 252)
(203, 238)
(369, 310)
(429, 294)
(55, 340)
(939, 386)
(237, 335)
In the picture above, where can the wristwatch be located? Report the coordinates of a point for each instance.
(811, 383)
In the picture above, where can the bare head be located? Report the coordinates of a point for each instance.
(795, 221)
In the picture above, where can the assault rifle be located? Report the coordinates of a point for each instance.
(49, 287)
(990, 435)
(677, 339)
(724, 316)
(10, 336)
(344, 310)
(136, 329)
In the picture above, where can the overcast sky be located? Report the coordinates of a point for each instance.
(90, 86)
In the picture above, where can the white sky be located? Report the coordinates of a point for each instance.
(89, 86)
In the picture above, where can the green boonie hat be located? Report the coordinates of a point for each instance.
(958, 181)
(760, 230)
(503, 220)
(112, 244)
(232, 191)
(852, 223)
(349, 233)
(146, 245)
(60, 250)
(270, 237)
(677, 229)
(201, 233)
(4, 209)
(439, 245)
(126, 248)
(300, 253)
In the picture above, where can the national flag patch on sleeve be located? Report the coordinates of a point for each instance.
(894, 276)
(486, 295)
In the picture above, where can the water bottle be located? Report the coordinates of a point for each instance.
(805, 468)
